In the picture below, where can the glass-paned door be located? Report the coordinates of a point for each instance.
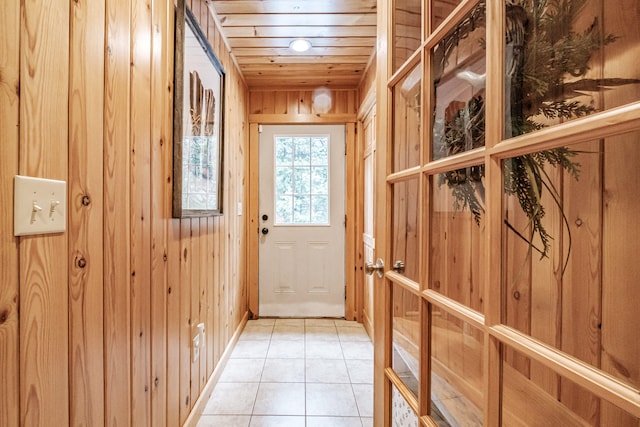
(510, 287)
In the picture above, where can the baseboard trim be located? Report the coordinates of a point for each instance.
(201, 403)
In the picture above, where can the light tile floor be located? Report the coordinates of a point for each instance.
(296, 373)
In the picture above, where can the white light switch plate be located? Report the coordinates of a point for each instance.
(40, 206)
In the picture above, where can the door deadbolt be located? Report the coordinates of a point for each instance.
(265, 217)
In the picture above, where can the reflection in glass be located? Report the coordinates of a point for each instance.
(401, 413)
(440, 10)
(406, 120)
(457, 258)
(406, 337)
(562, 63)
(405, 238)
(456, 371)
(544, 396)
(407, 30)
(459, 68)
(570, 253)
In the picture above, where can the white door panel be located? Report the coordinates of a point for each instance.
(301, 266)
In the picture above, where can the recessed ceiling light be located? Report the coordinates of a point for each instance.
(300, 45)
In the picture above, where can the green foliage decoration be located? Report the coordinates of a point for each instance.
(545, 70)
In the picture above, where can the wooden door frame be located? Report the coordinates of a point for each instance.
(252, 208)
(367, 108)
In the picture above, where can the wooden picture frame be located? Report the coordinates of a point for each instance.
(198, 117)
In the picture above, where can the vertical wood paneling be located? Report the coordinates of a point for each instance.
(546, 285)
(160, 201)
(209, 321)
(174, 323)
(85, 190)
(264, 101)
(104, 337)
(218, 339)
(9, 286)
(141, 36)
(195, 304)
(581, 306)
(368, 82)
(44, 302)
(620, 298)
(202, 301)
(117, 301)
(185, 319)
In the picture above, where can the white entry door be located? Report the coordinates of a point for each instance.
(302, 221)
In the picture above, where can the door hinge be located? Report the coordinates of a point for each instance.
(259, 128)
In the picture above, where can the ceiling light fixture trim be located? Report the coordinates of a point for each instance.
(300, 45)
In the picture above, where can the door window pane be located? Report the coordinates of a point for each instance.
(456, 371)
(457, 256)
(440, 10)
(571, 249)
(401, 413)
(407, 30)
(551, 399)
(562, 63)
(459, 67)
(302, 180)
(406, 120)
(405, 244)
(406, 337)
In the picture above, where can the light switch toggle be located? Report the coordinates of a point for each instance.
(52, 210)
(36, 209)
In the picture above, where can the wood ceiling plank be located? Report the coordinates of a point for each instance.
(318, 6)
(306, 81)
(300, 31)
(315, 41)
(252, 68)
(286, 72)
(313, 52)
(318, 19)
(362, 59)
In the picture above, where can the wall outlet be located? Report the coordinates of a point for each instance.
(195, 348)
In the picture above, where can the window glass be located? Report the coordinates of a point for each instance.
(406, 120)
(456, 371)
(301, 180)
(457, 256)
(405, 244)
(440, 10)
(551, 399)
(401, 413)
(459, 72)
(406, 337)
(562, 63)
(570, 226)
(407, 30)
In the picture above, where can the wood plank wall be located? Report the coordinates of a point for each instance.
(299, 102)
(107, 310)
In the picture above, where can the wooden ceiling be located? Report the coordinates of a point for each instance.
(342, 34)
